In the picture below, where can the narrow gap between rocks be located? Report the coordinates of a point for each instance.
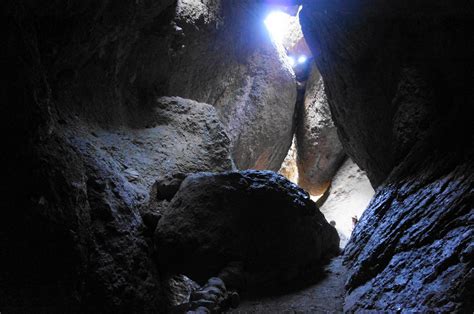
(316, 160)
(349, 191)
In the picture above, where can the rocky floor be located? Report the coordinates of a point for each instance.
(326, 296)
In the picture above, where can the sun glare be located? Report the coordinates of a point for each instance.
(277, 23)
(280, 26)
(302, 59)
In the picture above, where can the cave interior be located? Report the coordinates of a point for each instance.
(237, 156)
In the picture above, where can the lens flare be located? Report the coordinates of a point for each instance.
(302, 59)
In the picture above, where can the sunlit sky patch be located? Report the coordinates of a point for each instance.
(277, 23)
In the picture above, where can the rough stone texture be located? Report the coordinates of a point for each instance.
(175, 136)
(413, 247)
(257, 217)
(83, 229)
(394, 78)
(82, 155)
(349, 195)
(76, 243)
(179, 289)
(225, 58)
(398, 76)
(319, 151)
(71, 236)
(86, 138)
(81, 75)
(293, 40)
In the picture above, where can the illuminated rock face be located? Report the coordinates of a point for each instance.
(289, 169)
(413, 247)
(319, 151)
(396, 85)
(235, 67)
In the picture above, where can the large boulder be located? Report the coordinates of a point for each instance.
(256, 217)
(382, 89)
(319, 151)
(176, 135)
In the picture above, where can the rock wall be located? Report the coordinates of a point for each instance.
(397, 76)
(85, 134)
(413, 247)
(319, 151)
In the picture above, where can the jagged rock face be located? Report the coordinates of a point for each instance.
(413, 248)
(225, 57)
(319, 151)
(397, 85)
(258, 218)
(77, 243)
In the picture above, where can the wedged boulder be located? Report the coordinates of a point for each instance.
(319, 151)
(257, 217)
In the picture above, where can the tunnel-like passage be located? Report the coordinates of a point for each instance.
(144, 140)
